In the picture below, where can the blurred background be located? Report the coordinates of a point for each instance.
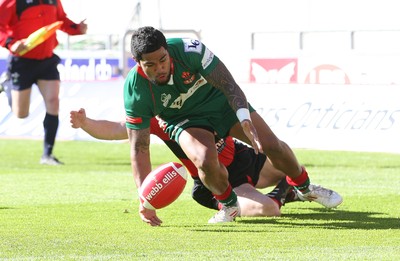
(324, 74)
(237, 30)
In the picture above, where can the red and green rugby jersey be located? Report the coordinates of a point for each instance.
(187, 94)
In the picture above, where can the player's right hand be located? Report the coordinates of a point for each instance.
(149, 216)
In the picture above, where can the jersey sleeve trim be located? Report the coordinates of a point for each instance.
(134, 120)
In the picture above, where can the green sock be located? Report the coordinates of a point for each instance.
(228, 198)
(303, 188)
(231, 200)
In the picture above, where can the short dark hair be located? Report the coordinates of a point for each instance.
(146, 40)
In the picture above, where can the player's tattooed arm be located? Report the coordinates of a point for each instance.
(140, 140)
(140, 154)
(223, 80)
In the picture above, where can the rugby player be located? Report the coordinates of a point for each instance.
(190, 88)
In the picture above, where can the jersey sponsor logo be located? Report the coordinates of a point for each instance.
(207, 58)
(134, 120)
(187, 77)
(178, 103)
(191, 45)
(165, 98)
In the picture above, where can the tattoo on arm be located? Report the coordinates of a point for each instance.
(222, 79)
(140, 154)
(140, 140)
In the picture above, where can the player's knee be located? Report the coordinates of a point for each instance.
(271, 210)
(52, 105)
(207, 166)
(260, 209)
(21, 115)
(19, 111)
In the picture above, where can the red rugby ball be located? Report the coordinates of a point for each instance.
(163, 185)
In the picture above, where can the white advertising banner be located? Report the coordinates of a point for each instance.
(331, 117)
(328, 117)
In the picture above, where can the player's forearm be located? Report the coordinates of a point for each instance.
(105, 130)
(141, 166)
(140, 154)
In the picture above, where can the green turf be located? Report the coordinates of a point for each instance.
(87, 210)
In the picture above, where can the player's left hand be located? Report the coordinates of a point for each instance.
(149, 216)
(252, 135)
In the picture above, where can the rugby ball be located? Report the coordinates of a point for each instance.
(163, 185)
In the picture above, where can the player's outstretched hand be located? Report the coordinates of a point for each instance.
(77, 118)
(252, 135)
(149, 216)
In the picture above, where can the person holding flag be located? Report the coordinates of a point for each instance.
(27, 30)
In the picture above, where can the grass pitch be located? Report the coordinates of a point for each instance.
(87, 210)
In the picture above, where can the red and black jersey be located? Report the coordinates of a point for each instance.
(20, 18)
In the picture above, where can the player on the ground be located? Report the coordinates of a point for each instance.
(247, 170)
